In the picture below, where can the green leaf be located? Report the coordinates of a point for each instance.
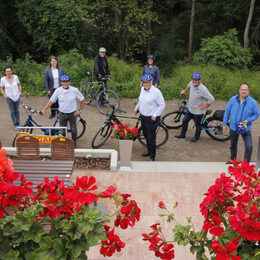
(35, 233)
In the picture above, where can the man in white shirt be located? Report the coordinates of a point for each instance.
(150, 105)
(67, 97)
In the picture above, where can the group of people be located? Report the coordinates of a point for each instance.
(240, 112)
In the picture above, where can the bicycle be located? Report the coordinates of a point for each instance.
(30, 122)
(212, 125)
(105, 131)
(105, 98)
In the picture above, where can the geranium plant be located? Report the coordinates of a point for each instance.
(124, 131)
(231, 211)
(58, 222)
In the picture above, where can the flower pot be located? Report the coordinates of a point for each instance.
(125, 151)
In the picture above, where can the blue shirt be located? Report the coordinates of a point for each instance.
(67, 99)
(154, 72)
(151, 102)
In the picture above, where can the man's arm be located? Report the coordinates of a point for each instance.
(49, 103)
(183, 92)
(81, 106)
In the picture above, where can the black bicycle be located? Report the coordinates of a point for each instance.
(53, 130)
(105, 131)
(105, 98)
(212, 125)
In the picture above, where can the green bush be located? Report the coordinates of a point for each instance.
(223, 50)
(222, 82)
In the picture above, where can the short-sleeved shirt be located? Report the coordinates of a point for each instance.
(67, 99)
(11, 89)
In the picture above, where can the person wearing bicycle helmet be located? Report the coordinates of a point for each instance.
(11, 89)
(152, 69)
(67, 96)
(101, 69)
(199, 100)
(240, 112)
(150, 105)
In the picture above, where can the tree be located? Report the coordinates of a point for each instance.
(123, 22)
(51, 25)
(192, 17)
(250, 15)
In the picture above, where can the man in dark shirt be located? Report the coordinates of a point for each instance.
(101, 69)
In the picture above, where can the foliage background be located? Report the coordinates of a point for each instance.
(33, 30)
(222, 82)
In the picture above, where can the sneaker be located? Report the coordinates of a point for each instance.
(16, 128)
(228, 162)
(180, 137)
(194, 140)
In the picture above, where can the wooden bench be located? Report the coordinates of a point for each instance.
(62, 148)
(28, 148)
(36, 170)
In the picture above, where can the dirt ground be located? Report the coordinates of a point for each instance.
(174, 150)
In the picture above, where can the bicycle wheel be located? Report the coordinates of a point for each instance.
(162, 136)
(81, 128)
(214, 128)
(86, 90)
(110, 99)
(24, 130)
(101, 136)
(173, 120)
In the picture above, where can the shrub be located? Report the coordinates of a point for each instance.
(224, 50)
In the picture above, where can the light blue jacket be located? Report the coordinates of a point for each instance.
(237, 112)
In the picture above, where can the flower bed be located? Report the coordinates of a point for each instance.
(231, 229)
(75, 223)
(88, 163)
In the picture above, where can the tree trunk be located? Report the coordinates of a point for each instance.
(251, 10)
(192, 18)
(148, 49)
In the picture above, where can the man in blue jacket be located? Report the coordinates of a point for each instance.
(241, 108)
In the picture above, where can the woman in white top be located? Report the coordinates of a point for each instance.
(11, 89)
(52, 81)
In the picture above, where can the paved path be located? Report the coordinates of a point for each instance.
(149, 183)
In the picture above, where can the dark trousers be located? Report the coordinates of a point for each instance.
(14, 110)
(247, 138)
(185, 122)
(54, 106)
(149, 130)
(64, 119)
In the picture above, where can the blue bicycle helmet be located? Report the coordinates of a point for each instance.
(241, 128)
(196, 75)
(146, 77)
(150, 57)
(65, 78)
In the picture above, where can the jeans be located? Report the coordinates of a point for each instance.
(247, 138)
(185, 121)
(14, 110)
(64, 119)
(149, 130)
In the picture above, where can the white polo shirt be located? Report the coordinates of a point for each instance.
(67, 99)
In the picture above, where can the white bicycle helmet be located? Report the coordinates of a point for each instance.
(102, 49)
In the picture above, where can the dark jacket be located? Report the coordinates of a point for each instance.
(48, 78)
(101, 68)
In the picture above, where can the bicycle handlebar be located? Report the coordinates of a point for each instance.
(29, 109)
